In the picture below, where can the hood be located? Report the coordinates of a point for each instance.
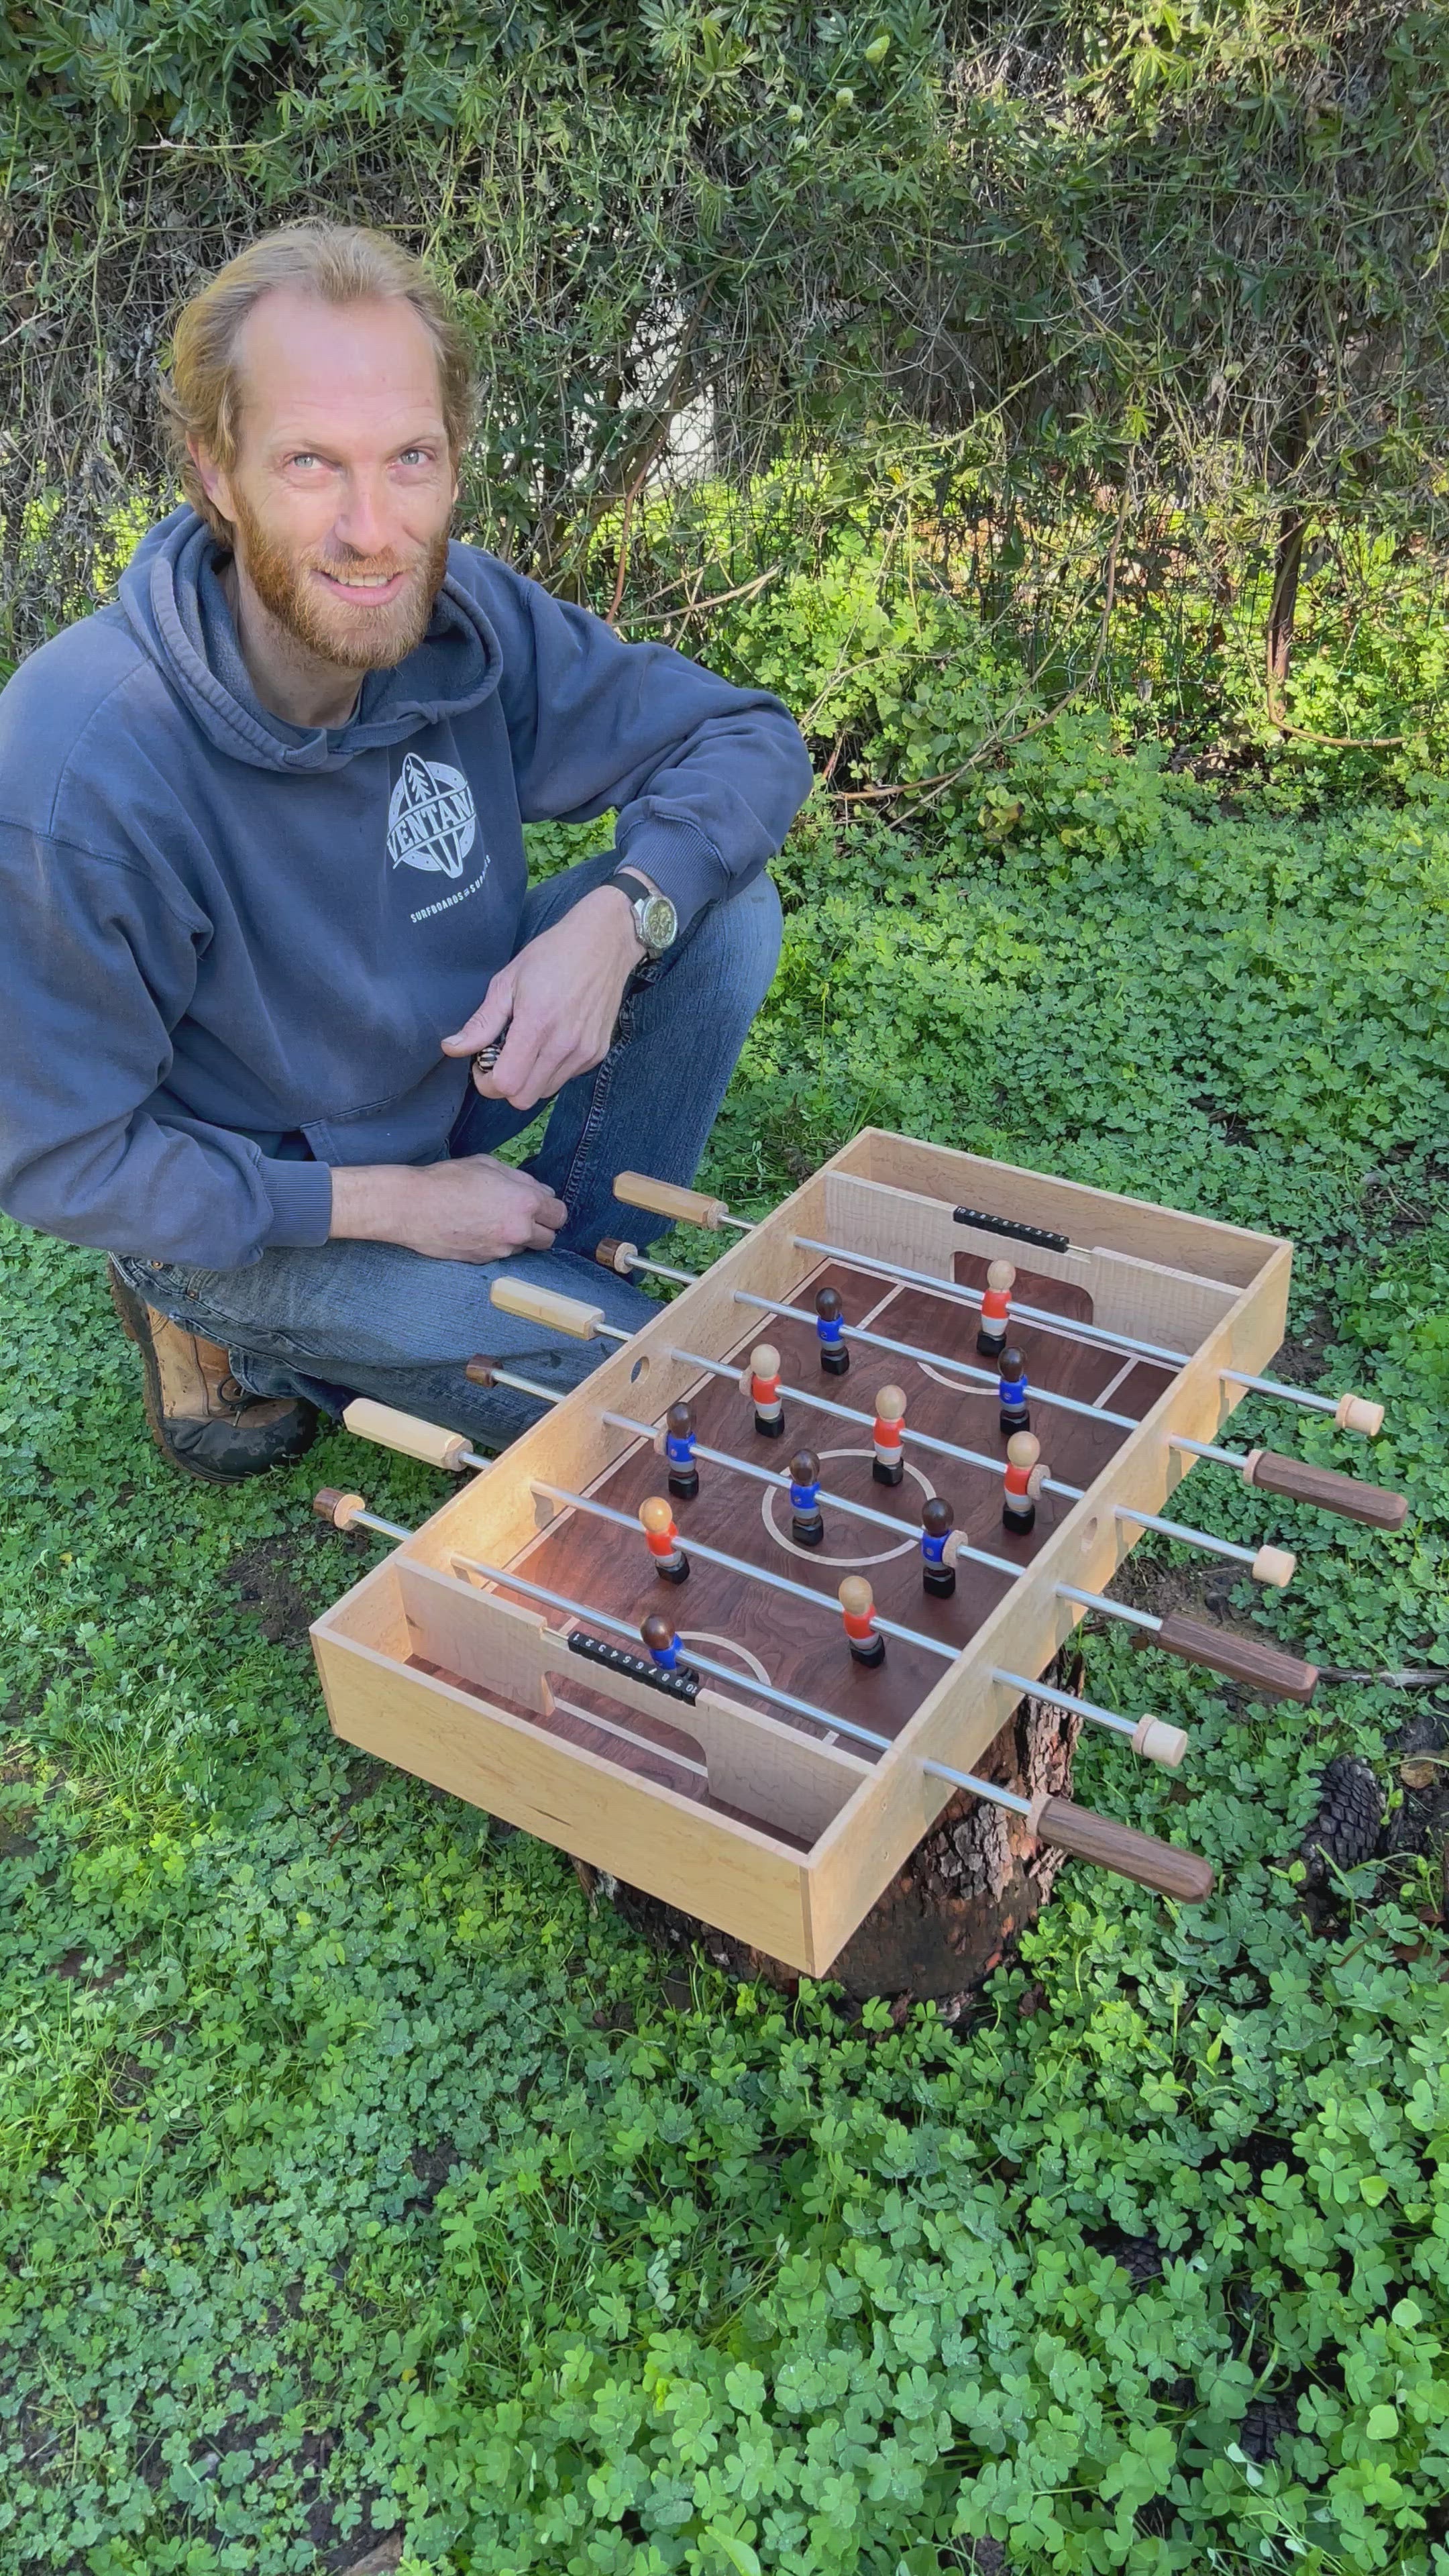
(454, 668)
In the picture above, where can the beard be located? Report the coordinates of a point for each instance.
(352, 638)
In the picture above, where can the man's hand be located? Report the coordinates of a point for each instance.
(475, 1209)
(558, 999)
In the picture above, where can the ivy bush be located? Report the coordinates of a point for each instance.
(359, 2180)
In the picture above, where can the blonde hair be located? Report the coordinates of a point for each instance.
(341, 264)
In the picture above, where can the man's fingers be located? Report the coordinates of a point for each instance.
(487, 1023)
(541, 1239)
(550, 1211)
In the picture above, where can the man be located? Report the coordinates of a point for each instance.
(266, 901)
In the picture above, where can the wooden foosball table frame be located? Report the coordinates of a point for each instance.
(786, 1838)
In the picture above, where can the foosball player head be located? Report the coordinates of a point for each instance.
(995, 1308)
(834, 1352)
(937, 1522)
(657, 1521)
(1015, 1414)
(858, 1603)
(807, 1524)
(339, 1510)
(679, 1449)
(662, 1639)
(1018, 1503)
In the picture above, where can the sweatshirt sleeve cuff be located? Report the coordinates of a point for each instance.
(301, 1196)
(682, 863)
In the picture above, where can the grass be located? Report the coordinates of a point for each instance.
(359, 2181)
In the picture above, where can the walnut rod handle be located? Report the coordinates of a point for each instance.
(1183, 1874)
(1249, 1660)
(1347, 1495)
(665, 1198)
(393, 1430)
(546, 1307)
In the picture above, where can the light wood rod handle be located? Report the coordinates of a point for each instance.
(1346, 1495)
(1183, 1874)
(665, 1198)
(1249, 1660)
(390, 1429)
(546, 1307)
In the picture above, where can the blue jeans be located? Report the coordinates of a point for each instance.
(335, 1320)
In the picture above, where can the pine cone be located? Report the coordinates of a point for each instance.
(1350, 1812)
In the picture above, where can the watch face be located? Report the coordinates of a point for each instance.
(658, 921)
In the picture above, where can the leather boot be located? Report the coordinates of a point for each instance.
(200, 1418)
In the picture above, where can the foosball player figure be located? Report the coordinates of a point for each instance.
(1011, 1388)
(830, 1325)
(807, 1526)
(1024, 1476)
(679, 1450)
(670, 1561)
(937, 1522)
(890, 1412)
(662, 1639)
(858, 1603)
(765, 1390)
(996, 1309)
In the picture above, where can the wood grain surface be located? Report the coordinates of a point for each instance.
(760, 1633)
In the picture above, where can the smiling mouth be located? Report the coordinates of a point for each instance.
(368, 584)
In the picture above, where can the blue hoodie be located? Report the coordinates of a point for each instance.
(232, 946)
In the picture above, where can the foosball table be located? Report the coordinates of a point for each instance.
(734, 1618)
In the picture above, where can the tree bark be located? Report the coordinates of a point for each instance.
(971, 1886)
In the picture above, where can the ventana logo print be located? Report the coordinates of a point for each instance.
(432, 824)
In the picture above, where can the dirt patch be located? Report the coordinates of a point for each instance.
(277, 1580)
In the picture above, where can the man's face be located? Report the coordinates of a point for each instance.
(342, 487)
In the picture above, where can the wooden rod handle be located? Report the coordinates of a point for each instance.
(1372, 1504)
(393, 1430)
(546, 1307)
(1183, 1874)
(687, 1207)
(1250, 1660)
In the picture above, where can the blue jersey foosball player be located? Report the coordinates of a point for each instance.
(679, 1451)
(937, 1522)
(830, 1325)
(662, 1639)
(807, 1526)
(1015, 1412)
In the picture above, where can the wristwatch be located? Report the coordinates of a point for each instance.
(656, 923)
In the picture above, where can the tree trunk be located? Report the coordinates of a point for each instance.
(970, 1887)
(1292, 528)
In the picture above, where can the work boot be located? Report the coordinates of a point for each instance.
(200, 1418)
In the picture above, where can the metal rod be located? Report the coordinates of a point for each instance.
(848, 1413)
(939, 1359)
(972, 1297)
(780, 1483)
(742, 1466)
(659, 1269)
(621, 1628)
(737, 1565)
(1237, 1459)
(1113, 1609)
(1288, 1394)
(987, 1789)
(1068, 1700)
(386, 1529)
(1190, 1537)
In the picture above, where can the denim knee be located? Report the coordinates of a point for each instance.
(739, 940)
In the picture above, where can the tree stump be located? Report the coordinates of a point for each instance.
(970, 1887)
